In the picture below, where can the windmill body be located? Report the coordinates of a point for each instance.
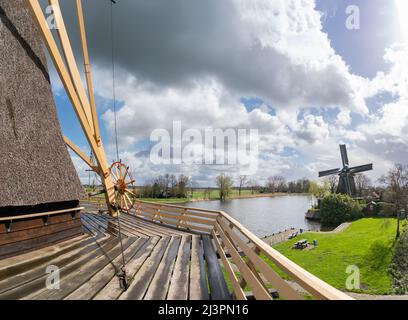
(346, 174)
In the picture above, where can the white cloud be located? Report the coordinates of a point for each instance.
(197, 70)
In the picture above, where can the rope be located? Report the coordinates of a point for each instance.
(122, 276)
(114, 77)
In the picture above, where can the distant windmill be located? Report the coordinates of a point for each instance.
(346, 174)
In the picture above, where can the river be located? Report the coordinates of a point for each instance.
(265, 216)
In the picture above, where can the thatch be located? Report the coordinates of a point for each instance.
(35, 166)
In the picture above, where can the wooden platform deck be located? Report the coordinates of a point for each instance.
(162, 263)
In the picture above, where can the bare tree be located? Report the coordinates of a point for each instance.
(333, 181)
(242, 183)
(276, 184)
(182, 184)
(224, 184)
(396, 180)
(253, 185)
(362, 183)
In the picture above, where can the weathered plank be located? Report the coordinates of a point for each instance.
(179, 284)
(91, 287)
(161, 280)
(71, 281)
(25, 273)
(139, 286)
(218, 286)
(198, 283)
(112, 290)
(32, 287)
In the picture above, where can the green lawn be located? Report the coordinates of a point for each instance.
(367, 243)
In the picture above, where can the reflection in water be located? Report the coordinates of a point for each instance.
(265, 216)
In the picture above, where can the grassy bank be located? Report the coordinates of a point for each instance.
(367, 243)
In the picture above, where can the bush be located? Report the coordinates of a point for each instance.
(399, 265)
(338, 208)
(385, 209)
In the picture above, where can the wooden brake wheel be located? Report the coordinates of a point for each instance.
(124, 186)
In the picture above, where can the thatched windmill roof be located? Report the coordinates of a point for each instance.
(35, 167)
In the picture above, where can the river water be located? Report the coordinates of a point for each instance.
(265, 216)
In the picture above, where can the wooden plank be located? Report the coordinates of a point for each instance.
(135, 229)
(91, 287)
(151, 204)
(41, 214)
(179, 284)
(257, 287)
(112, 225)
(16, 236)
(23, 261)
(158, 288)
(185, 225)
(112, 290)
(147, 229)
(284, 289)
(238, 291)
(24, 246)
(143, 277)
(31, 288)
(218, 286)
(198, 285)
(20, 275)
(74, 279)
(37, 222)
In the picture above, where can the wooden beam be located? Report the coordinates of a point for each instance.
(42, 214)
(85, 53)
(81, 154)
(66, 80)
(70, 60)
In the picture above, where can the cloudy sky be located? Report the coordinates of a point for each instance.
(288, 68)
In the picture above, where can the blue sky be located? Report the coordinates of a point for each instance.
(290, 69)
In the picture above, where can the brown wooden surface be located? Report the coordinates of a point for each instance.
(29, 234)
(172, 266)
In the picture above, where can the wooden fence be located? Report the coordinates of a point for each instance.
(239, 249)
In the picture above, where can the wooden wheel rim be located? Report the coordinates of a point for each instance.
(124, 184)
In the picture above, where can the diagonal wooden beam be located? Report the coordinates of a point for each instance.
(87, 68)
(70, 60)
(66, 80)
(81, 154)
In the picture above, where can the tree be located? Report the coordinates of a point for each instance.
(338, 208)
(333, 181)
(182, 183)
(253, 185)
(362, 183)
(224, 184)
(276, 184)
(242, 182)
(319, 190)
(396, 180)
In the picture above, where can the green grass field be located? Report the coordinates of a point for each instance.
(367, 243)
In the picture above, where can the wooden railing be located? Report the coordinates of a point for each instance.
(239, 249)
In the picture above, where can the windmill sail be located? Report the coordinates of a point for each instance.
(344, 157)
(328, 172)
(364, 168)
